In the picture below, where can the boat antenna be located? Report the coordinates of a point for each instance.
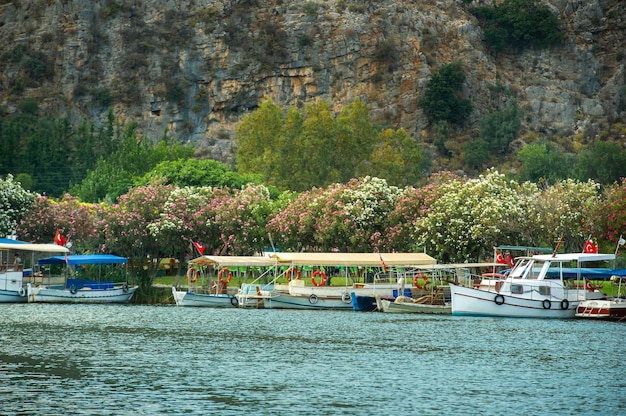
(558, 244)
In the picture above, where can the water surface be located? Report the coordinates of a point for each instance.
(162, 360)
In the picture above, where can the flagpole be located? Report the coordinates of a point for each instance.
(620, 242)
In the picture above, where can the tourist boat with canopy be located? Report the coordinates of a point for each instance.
(15, 276)
(539, 286)
(86, 278)
(319, 268)
(208, 278)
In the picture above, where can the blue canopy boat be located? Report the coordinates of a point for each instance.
(77, 290)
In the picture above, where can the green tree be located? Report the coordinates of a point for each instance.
(476, 153)
(604, 162)
(398, 158)
(442, 99)
(542, 162)
(498, 129)
(133, 158)
(197, 172)
(519, 23)
(259, 141)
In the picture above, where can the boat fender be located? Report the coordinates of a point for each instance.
(417, 278)
(313, 298)
(291, 270)
(318, 273)
(234, 301)
(192, 275)
(22, 292)
(73, 290)
(499, 299)
(547, 304)
(564, 304)
(229, 275)
(346, 297)
(125, 288)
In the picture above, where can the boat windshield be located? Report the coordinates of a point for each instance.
(520, 268)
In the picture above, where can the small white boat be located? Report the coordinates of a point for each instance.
(77, 290)
(204, 291)
(611, 309)
(403, 304)
(14, 277)
(541, 286)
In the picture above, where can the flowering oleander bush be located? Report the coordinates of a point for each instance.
(560, 211)
(15, 202)
(608, 218)
(413, 203)
(77, 221)
(241, 220)
(469, 217)
(346, 217)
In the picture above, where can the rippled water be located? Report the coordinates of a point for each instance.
(158, 360)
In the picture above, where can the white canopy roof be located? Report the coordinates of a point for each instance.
(48, 248)
(355, 259)
(232, 261)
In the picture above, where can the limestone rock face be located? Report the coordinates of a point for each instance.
(193, 68)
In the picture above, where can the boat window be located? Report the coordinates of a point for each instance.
(544, 290)
(517, 289)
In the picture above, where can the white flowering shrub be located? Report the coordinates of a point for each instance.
(15, 202)
(471, 216)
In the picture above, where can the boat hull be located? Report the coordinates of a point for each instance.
(13, 296)
(43, 294)
(184, 298)
(388, 306)
(475, 302)
(609, 309)
(312, 301)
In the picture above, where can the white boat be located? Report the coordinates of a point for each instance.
(73, 289)
(540, 286)
(403, 304)
(205, 291)
(297, 294)
(14, 277)
(611, 308)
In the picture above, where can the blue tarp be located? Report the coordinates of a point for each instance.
(85, 259)
(10, 241)
(588, 273)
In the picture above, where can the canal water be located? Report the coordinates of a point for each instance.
(165, 360)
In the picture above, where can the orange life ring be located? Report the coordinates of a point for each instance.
(229, 275)
(192, 275)
(416, 279)
(288, 273)
(318, 273)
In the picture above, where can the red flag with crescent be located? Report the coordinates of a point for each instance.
(198, 247)
(59, 239)
(590, 247)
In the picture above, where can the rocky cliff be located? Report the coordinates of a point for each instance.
(193, 68)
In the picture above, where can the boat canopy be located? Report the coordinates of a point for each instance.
(22, 246)
(579, 257)
(355, 259)
(85, 259)
(234, 261)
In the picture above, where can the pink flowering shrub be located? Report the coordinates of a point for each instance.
(76, 221)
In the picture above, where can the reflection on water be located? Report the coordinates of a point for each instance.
(151, 360)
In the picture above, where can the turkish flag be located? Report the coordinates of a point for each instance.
(198, 247)
(590, 247)
(500, 259)
(59, 239)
